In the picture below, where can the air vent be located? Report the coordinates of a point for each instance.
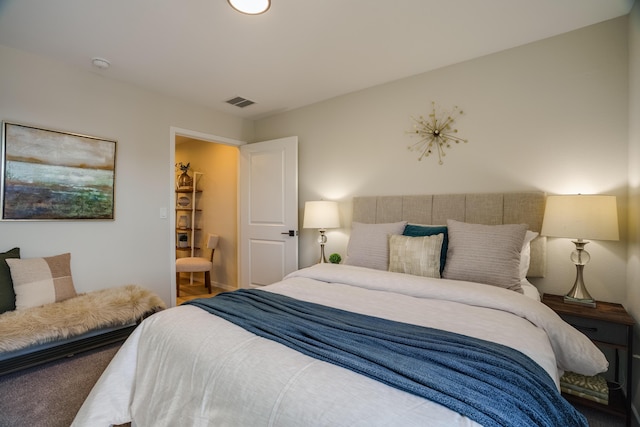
(240, 102)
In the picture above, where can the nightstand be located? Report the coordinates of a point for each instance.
(607, 325)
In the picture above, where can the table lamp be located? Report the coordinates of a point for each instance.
(582, 217)
(321, 215)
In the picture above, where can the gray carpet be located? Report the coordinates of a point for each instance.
(50, 395)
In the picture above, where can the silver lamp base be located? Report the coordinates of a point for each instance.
(322, 240)
(579, 294)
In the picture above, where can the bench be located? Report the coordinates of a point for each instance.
(36, 335)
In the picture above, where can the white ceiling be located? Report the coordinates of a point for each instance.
(298, 53)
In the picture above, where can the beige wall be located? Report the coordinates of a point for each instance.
(559, 115)
(219, 202)
(633, 259)
(551, 116)
(633, 267)
(137, 247)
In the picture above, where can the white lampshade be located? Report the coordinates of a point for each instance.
(250, 7)
(581, 216)
(321, 214)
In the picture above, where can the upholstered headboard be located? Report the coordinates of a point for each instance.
(480, 208)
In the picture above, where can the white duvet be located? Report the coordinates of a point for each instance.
(186, 367)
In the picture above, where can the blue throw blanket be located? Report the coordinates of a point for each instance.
(489, 383)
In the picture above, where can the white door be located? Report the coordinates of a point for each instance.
(268, 211)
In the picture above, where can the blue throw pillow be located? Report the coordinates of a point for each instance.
(7, 295)
(414, 230)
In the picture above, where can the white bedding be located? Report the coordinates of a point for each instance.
(186, 367)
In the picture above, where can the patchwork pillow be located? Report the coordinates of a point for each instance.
(39, 281)
(7, 296)
(525, 253)
(430, 230)
(419, 256)
(369, 244)
(485, 253)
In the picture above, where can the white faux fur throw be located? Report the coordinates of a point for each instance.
(86, 312)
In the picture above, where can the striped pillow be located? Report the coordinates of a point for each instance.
(39, 281)
(429, 230)
(369, 244)
(485, 253)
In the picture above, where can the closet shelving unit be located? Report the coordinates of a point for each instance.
(187, 200)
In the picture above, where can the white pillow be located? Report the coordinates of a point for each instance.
(525, 254)
(419, 256)
(485, 253)
(369, 244)
(529, 290)
(39, 281)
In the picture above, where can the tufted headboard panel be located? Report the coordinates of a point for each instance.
(479, 208)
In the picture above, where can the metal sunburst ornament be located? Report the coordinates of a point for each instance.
(435, 132)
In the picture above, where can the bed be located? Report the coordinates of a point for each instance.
(357, 344)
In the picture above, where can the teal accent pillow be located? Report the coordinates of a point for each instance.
(415, 230)
(7, 295)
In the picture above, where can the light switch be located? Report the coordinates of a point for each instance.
(163, 213)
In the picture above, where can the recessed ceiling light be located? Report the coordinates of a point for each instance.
(250, 7)
(101, 63)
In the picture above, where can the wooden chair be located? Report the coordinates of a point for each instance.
(197, 264)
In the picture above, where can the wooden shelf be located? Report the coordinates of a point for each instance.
(189, 198)
(186, 248)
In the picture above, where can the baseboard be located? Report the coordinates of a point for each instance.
(224, 286)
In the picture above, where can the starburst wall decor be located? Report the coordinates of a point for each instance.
(435, 133)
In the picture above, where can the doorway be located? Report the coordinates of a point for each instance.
(215, 160)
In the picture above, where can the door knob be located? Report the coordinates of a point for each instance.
(290, 233)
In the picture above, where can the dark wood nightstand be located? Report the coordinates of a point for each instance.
(607, 325)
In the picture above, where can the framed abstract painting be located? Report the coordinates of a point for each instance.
(54, 175)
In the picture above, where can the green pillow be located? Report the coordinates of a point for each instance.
(7, 295)
(416, 230)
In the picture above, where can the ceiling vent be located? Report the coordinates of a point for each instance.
(240, 102)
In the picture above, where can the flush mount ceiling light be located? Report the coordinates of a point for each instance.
(101, 63)
(250, 7)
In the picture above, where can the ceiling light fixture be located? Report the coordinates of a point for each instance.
(250, 7)
(101, 63)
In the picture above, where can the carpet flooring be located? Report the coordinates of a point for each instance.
(50, 395)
